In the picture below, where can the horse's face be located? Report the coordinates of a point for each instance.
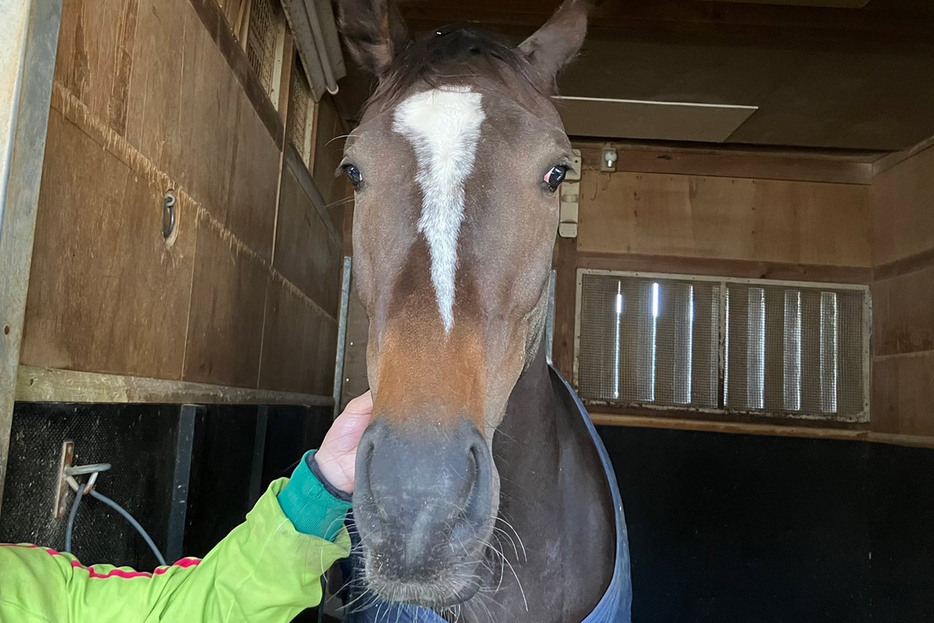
(455, 170)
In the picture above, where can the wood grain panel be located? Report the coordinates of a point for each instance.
(106, 294)
(215, 23)
(251, 213)
(155, 100)
(305, 254)
(725, 218)
(903, 394)
(903, 313)
(225, 328)
(95, 55)
(45, 385)
(903, 221)
(832, 224)
(730, 268)
(735, 162)
(199, 148)
(299, 345)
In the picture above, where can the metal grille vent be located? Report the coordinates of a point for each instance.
(794, 350)
(723, 345)
(300, 105)
(265, 27)
(648, 341)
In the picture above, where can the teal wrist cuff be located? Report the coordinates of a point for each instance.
(309, 505)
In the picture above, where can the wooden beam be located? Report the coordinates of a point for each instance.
(772, 430)
(49, 385)
(892, 160)
(789, 165)
(647, 17)
(213, 20)
(904, 266)
(724, 268)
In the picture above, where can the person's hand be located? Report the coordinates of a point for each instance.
(338, 452)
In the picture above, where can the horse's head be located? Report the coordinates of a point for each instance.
(455, 166)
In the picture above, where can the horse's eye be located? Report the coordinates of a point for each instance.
(555, 176)
(353, 174)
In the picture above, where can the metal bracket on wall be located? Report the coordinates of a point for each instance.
(550, 319)
(342, 334)
(570, 198)
(61, 490)
(28, 47)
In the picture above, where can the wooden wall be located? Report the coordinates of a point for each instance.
(903, 297)
(152, 95)
(753, 215)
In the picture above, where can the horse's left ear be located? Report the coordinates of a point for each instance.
(374, 32)
(558, 41)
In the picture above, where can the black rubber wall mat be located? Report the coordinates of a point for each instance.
(729, 527)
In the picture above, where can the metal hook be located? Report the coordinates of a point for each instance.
(168, 215)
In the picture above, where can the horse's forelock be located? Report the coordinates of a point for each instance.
(453, 55)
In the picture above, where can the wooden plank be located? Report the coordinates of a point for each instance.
(44, 385)
(106, 293)
(839, 4)
(225, 326)
(892, 160)
(299, 344)
(771, 430)
(199, 149)
(725, 268)
(833, 223)
(95, 56)
(306, 254)
(251, 214)
(903, 313)
(739, 163)
(904, 266)
(725, 218)
(677, 15)
(230, 48)
(903, 222)
(155, 101)
(285, 63)
(903, 394)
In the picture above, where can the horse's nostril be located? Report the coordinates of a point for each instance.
(427, 491)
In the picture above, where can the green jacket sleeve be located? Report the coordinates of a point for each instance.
(264, 571)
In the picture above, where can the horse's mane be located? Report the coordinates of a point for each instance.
(449, 55)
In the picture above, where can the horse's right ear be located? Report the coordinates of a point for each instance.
(557, 42)
(373, 31)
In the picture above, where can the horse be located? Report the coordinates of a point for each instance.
(482, 490)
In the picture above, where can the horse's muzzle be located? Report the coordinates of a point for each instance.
(423, 503)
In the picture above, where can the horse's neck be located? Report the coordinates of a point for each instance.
(554, 495)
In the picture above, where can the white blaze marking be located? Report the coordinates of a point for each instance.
(443, 126)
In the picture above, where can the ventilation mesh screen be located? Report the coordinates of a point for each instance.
(794, 350)
(787, 349)
(299, 106)
(649, 341)
(265, 23)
